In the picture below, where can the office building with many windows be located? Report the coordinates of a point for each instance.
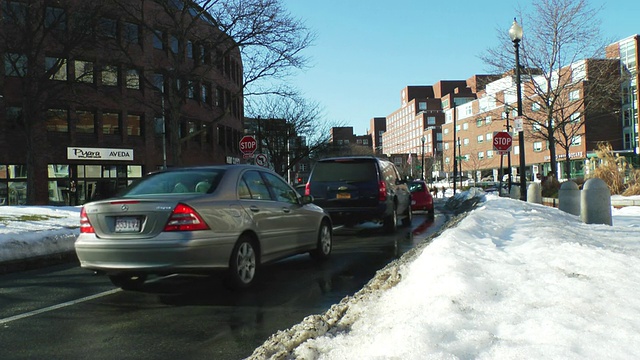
(93, 96)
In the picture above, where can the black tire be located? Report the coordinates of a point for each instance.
(391, 222)
(243, 264)
(324, 244)
(128, 281)
(406, 221)
(431, 213)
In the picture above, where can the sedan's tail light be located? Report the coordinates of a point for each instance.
(307, 189)
(382, 191)
(85, 224)
(184, 218)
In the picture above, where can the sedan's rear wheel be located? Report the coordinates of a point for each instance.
(243, 263)
(324, 244)
(128, 282)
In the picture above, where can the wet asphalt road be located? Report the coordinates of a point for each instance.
(64, 312)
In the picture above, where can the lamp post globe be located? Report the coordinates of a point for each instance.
(515, 33)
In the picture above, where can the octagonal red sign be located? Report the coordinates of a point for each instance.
(248, 145)
(502, 141)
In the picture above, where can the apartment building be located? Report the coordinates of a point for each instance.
(470, 127)
(90, 120)
(628, 51)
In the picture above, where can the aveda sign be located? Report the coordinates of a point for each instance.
(82, 153)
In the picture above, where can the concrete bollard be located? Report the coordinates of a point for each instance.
(569, 198)
(595, 202)
(514, 193)
(534, 193)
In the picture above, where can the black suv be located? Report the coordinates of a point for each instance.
(359, 189)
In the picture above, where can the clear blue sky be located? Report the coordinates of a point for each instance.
(368, 50)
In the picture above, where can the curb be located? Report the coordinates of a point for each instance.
(37, 262)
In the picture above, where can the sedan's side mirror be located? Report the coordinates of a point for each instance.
(306, 199)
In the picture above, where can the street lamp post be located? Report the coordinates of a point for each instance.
(422, 169)
(455, 156)
(515, 33)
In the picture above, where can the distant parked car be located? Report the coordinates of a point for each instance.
(421, 197)
(199, 220)
(360, 189)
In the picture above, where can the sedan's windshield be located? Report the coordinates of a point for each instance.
(172, 182)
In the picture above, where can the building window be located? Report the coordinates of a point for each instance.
(158, 42)
(480, 138)
(134, 125)
(487, 120)
(535, 107)
(205, 93)
(84, 71)
(537, 146)
(57, 67)
(110, 75)
(57, 120)
(465, 126)
(446, 131)
(576, 140)
(191, 91)
(190, 49)
(15, 65)
(479, 122)
(574, 95)
(131, 32)
(488, 136)
(431, 120)
(422, 105)
(108, 28)
(132, 79)
(13, 117)
(465, 141)
(86, 122)
(110, 123)
(480, 155)
(55, 18)
(14, 12)
(575, 118)
(173, 44)
(489, 154)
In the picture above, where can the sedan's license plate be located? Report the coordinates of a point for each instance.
(127, 224)
(343, 196)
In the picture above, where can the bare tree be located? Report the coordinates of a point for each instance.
(252, 46)
(289, 129)
(32, 31)
(558, 36)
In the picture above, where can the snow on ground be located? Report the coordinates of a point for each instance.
(510, 280)
(31, 231)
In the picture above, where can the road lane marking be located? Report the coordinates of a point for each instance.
(58, 306)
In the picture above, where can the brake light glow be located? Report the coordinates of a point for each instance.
(307, 189)
(382, 191)
(85, 224)
(184, 218)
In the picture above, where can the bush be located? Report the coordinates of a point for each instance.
(611, 168)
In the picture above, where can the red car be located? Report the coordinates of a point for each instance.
(421, 198)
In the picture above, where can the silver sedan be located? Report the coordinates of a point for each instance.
(199, 220)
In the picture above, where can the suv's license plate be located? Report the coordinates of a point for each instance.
(343, 196)
(127, 224)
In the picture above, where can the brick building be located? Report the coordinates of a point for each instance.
(102, 113)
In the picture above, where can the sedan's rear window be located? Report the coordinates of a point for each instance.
(172, 182)
(347, 171)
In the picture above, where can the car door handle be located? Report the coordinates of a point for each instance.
(286, 210)
(254, 208)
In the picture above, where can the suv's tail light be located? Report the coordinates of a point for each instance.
(307, 189)
(184, 218)
(85, 224)
(382, 191)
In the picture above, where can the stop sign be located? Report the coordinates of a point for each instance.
(502, 141)
(248, 145)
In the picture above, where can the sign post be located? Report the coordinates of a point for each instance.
(248, 146)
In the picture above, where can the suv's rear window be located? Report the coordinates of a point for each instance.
(347, 171)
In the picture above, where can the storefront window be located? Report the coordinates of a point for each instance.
(17, 192)
(134, 171)
(58, 171)
(3, 194)
(17, 171)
